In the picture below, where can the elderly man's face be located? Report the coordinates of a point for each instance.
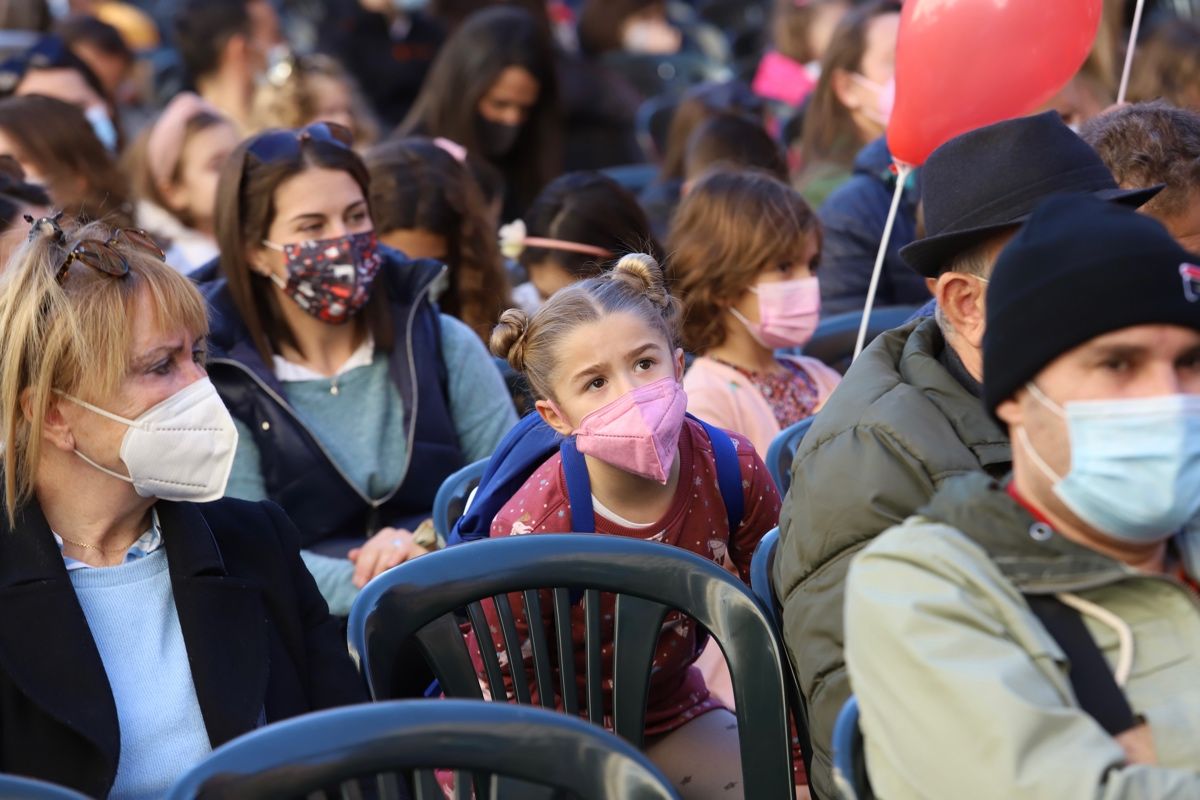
(1137, 362)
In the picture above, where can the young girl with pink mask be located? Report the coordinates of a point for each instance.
(603, 360)
(744, 246)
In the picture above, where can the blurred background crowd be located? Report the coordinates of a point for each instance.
(586, 119)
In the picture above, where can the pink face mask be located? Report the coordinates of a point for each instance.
(639, 431)
(788, 312)
(885, 99)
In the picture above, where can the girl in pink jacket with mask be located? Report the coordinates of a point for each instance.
(744, 246)
(603, 361)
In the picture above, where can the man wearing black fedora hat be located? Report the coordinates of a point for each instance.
(907, 415)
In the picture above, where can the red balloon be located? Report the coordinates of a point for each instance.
(962, 64)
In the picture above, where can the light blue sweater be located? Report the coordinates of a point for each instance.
(131, 612)
(362, 427)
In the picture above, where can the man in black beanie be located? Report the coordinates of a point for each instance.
(1040, 637)
(907, 416)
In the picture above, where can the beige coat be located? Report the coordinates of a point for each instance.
(962, 691)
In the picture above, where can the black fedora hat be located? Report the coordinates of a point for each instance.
(991, 178)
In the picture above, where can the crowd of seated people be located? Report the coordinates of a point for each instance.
(272, 273)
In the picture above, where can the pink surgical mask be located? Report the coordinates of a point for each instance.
(885, 99)
(639, 431)
(788, 312)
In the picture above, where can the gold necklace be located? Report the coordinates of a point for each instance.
(97, 548)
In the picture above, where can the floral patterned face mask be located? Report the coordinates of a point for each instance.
(330, 278)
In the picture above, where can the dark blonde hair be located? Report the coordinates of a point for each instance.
(72, 337)
(636, 285)
(731, 226)
(288, 98)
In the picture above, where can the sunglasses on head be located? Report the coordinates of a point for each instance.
(278, 145)
(104, 256)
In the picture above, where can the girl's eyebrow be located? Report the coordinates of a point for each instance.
(638, 351)
(588, 370)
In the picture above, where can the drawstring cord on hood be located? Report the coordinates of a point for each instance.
(1106, 617)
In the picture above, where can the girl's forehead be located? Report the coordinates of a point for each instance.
(611, 335)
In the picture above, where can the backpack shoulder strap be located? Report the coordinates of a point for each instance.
(1091, 677)
(729, 475)
(579, 488)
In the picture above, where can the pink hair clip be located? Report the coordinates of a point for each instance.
(453, 148)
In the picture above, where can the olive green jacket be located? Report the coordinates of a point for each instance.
(897, 427)
(964, 694)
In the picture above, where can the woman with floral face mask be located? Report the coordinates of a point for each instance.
(146, 620)
(353, 396)
(744, 247)
(603, 361)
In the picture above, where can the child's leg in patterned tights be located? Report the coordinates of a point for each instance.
(702, 758)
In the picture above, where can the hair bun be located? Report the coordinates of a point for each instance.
(643, 271)
(508, 338)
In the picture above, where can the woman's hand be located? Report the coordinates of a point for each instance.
(384, 550)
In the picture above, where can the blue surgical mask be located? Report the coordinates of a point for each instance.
(1135, 464)
(103, 127)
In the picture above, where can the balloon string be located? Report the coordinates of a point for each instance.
(1133, 37)
(902, 173)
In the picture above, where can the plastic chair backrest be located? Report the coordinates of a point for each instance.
(344, 749)
(833, 342)
(632, 177)
(451, 499)
(15, 787)
(849, 760)
(760, 576)
(783, 450)
(417, 600)
(761, 567)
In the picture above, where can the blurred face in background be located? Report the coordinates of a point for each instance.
(332, 102)
(62, 84)
(649, 31)
(870, 93)
(193, 192)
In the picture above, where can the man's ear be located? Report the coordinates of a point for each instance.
(55, 430)
(1010, 412)
(679, 365)
(550, 416)
(961, 299)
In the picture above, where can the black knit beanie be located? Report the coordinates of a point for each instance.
(1078, 269)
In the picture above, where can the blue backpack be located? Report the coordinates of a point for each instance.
(531, 442)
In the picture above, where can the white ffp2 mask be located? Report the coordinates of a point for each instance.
(181, 449)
